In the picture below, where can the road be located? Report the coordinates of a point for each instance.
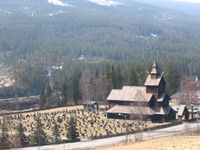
(169, 131)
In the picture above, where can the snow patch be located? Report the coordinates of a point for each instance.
(153, 35)
(59, 3)
(189, 1)
(50, 14)
(107, 3)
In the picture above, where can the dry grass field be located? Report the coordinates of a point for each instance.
(167, 143)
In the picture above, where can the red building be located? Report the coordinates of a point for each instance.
(148, 102)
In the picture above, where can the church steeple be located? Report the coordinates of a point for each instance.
(155, 83)
(155, 71)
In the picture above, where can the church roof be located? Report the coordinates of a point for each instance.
(130, 93)
(153, 81)
(154, 68)
(120, 109)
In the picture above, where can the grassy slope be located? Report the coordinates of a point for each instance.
(168, 143)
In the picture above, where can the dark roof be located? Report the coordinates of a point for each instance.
(163, 97)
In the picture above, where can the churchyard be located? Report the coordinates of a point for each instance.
(90, 124)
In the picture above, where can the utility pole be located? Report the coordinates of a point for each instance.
(197, 125)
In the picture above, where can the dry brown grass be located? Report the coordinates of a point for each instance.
(167, 143)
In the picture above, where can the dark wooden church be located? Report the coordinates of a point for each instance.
(148, 102)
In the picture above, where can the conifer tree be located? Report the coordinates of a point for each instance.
(56, 133)
(39, 136)
(42, 100)
(23, 139)
(72, 131)
(118, 78)
(172, 78)
(4, 136)
(76, 94)
(64, 94)
(132, 77)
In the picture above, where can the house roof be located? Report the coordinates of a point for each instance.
(153, 82)
(130, 93)
(179, 109)
(176, 95)
(139, 110)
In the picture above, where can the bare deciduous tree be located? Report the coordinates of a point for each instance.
(139, 115)
(101, 88)
(87, 86)
(189, 98)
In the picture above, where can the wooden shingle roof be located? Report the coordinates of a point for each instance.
(130, 93)
(120, 109)
(153, 82)
(180, 109)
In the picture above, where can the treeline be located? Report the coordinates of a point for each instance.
(94, 84)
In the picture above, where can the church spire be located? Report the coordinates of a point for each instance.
(155, 71)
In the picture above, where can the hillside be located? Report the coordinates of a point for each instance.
(38, 35)
(40, 31)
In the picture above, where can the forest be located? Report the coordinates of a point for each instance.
(55, 51)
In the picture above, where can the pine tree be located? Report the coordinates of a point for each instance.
(23, 139)
(132, 77)
(64, 94)
(118, 78)
(72, 133)
(4, 137)
(39, 136)
(56, 133)
(172, 78)
(76, 94)
(43, 99)
(48, 90)
(113, 77)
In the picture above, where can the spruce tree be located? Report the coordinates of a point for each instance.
(23, 139)
(172, 77)
(76, 94)
(4, 137)
(39, 136)
(42, 100)
(64, 94)
(113, 77)
(56, 133)
(132, 77)
(118, 78)
(72, 131)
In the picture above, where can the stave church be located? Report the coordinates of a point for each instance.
(148, 102)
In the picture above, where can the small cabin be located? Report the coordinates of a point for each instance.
(182, 113)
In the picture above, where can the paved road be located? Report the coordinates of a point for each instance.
(177, 129)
